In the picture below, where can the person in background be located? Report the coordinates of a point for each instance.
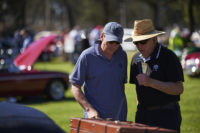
(160, 84)
(95, 34)
(81, 44)
(176, 41)
(27, 38)
(70, 40)
(102, 70)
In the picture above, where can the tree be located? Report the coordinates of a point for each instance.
(190, 11)
(51, 14)
(12, 15)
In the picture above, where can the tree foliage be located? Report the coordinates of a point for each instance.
(52, 14)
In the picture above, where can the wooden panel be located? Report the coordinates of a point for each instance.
(78, 125)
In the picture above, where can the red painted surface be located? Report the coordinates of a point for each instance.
(28, 57)
(27, 83)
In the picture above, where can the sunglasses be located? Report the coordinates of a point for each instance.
(141, 42)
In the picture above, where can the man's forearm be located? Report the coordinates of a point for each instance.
(81, 99)
(167, 87)
(172, 88)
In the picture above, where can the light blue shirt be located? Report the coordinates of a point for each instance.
(103, 81)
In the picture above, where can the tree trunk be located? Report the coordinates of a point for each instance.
(47, 13)
(21, 18)
(105, 5)
(191, 17)
(71, 21)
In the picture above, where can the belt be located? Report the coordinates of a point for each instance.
(156, 107)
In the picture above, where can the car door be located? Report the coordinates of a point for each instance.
(21, 84)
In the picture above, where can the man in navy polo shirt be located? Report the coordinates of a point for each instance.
(160, 85)
(102, 70)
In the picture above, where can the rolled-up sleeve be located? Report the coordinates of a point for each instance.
(79, 73)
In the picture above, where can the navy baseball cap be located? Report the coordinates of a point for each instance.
(113, 32)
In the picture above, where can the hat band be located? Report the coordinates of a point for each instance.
(145, 31)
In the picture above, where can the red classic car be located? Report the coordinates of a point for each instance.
(19, 79)
(191, 61)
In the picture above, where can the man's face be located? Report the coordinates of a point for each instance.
(146, 47)
(109, 47)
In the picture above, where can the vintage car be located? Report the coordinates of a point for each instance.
(191, 61)
(19, 79)
(127, 44)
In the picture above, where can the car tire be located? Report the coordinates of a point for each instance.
(56, 89)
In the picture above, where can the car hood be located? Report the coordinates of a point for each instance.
(26, 59)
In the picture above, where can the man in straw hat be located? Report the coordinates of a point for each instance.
(160, 84)
(102, 70)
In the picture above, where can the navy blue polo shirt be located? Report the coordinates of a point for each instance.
(103, 81)
(164, 66)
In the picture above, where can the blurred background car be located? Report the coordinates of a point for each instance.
(127, 44)
(191, 61)
(19, 79)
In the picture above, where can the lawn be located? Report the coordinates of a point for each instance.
(62, 111)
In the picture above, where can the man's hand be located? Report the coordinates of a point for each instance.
(92, 113)
(80, 97)
(143, 79)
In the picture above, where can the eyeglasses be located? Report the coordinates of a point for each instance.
(141, 42)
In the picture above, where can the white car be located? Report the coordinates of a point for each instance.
(128, 45)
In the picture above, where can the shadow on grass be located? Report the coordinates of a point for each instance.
(40, 99)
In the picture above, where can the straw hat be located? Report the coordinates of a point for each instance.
(144, 29)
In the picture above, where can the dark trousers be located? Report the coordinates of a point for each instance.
(168, 116)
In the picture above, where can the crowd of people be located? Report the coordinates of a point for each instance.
(176, 39)
(78, 39)
(72, 43)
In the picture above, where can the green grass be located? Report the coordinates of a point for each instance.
(62, 111)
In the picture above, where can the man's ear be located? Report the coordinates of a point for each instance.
(102, 36)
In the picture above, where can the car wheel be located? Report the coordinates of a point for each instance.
(56, 90)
